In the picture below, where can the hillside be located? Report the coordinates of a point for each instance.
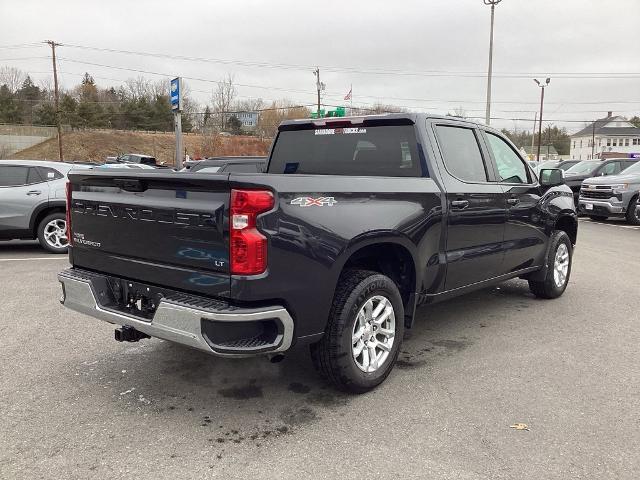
(95, 145)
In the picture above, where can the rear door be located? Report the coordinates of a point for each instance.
(476, 207)
(524, 237)
(22, 190)
(161, 228)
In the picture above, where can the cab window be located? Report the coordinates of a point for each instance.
(610, 168)
(461, 153)
(12, 176)
(511, 168)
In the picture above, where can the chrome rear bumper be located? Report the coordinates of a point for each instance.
(179, 320)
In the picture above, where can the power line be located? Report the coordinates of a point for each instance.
(164, 74)
(363, 70)
(21, 45)
(20, 58)
(289, 90)
(336, 95)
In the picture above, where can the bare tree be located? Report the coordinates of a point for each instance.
(379, 108)
(249, 105)
(160, 87)
(46, 85)
(278, 111)
(222, 99)
(137, 88)
(458, 112)
(12, 78)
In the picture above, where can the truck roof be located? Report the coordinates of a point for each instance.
(358, 119)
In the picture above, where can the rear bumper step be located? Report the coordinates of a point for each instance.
(208, 325)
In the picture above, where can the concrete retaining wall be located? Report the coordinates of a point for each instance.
(14, 138)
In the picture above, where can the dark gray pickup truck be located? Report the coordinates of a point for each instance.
(355, 224)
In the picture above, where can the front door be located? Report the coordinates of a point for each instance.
(476, 207)
(524, 236)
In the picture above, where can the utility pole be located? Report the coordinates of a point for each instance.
(533, 133)
(593, 140)
(493, 4)
(56, 99)
(319, 86)
(542, 86)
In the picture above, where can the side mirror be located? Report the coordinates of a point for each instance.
(551, 177)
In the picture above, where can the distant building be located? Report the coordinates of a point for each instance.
(606, 137)
(248, 119)
(547, 152)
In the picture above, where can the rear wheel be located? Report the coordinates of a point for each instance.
(52, 233)
(633, 214)
(558, 268)
(364, 332)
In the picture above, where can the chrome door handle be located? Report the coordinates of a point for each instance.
(34, 192)
(513, 201)
(459, 204)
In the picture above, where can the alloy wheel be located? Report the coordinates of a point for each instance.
(561, 265)
(55, 233)
(373, 334)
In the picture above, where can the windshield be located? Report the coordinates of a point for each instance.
(549, 164)
(633, 169)
(584, 167)
(566, 165)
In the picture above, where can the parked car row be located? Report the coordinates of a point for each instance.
(32, 193)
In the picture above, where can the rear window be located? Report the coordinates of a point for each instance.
(148, 160)
(386, 151)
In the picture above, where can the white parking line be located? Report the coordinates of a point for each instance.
(631, 227)
(32, 259)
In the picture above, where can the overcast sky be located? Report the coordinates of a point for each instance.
(437, 50)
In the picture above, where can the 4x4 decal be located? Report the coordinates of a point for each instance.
(314, 202)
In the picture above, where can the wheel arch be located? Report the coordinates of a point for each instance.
(568, 223)
(391, 255)
(42, 211)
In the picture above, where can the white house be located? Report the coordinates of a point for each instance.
(609, 135)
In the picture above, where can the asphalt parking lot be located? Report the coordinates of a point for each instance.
(76, 404)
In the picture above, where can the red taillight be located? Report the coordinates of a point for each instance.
(248, 247)
(68, 191)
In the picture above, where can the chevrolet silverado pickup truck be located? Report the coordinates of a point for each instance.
(355, 224)
(578, 173)
(612, 196)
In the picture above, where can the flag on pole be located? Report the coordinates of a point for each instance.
(348, 95)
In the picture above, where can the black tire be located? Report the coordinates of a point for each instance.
(597, 218)
(47, 245)
(548, 288)
(633, 218)
(333, 355)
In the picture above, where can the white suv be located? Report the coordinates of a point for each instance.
(32, 202)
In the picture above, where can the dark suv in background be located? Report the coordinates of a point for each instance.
(575, 175)
(32, 202)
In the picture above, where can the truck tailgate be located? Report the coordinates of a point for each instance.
(157, 227)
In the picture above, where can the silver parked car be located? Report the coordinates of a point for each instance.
(32, 202)
(612, 196)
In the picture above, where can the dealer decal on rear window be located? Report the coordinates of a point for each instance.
(339, 131)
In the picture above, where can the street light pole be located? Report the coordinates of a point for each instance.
(493, 4)
(542, 86)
